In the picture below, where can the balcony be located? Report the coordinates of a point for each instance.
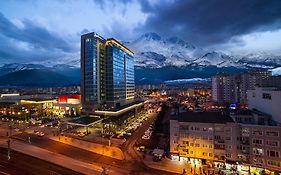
(219, 141)
(244, 142)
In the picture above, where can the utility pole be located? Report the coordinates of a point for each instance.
(8, 142)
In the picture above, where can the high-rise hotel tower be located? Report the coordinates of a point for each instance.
(107, 72)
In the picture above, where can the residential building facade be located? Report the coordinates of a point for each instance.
(237, 139)
(267, 100)
(223, 88)
(233, 88)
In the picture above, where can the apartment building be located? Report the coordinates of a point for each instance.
(201, 135)
(247, 138)
(258, 144)
(223, 88)
(233, 88)
(267, 100)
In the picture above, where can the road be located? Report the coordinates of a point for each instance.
(132, 164)
(29, 165)
(128, 149)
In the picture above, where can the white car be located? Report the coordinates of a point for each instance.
(144, 137)
(41, 134)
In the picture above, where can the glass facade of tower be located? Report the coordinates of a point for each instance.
(130, 77)
(107, 72)
(90, 72)
(115, 74)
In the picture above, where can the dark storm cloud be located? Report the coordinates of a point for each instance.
(206, 22)
(34, 35)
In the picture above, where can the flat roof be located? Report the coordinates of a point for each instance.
(120, 110)
(117, 43)
(38, 100)
(203, 117)
(84, 121)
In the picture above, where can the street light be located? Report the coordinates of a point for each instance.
(8, 154)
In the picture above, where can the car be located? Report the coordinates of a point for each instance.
(145, 137)
(41, 134)
(81, 134)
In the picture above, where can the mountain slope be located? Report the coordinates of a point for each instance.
(150, 48)
(35, 77)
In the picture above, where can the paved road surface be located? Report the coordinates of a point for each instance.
(27, 165)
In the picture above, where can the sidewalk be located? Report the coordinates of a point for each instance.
(112, 151)
(64, 161)
(166, 165)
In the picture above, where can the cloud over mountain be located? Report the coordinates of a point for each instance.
(211, 22)
(30, 41)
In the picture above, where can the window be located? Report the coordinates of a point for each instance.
(197, 145)
(273, 163)
(210, 155)
(228, 155)
(272, 133)
(266, 96)
(210, 146)
(227, 138)
(245, 131)
(217, 137)
(258, 151)
(204, 145)
(273, 143)
(258, 161)
(257, 132)
(257, 141)
(271, 153)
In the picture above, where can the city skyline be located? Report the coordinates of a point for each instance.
(150, 87)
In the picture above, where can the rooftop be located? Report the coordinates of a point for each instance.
(117, 43)
(253, 117)
(84, 121)
(119, 110)
(203, 117)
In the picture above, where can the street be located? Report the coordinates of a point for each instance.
(131, 165)
(24, 164)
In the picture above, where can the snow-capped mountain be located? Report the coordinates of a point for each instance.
(150, 48)
(154, 51)
(276, 71)
(261, 59)
(18, 66)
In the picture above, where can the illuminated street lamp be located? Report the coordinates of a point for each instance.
(8, 154)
